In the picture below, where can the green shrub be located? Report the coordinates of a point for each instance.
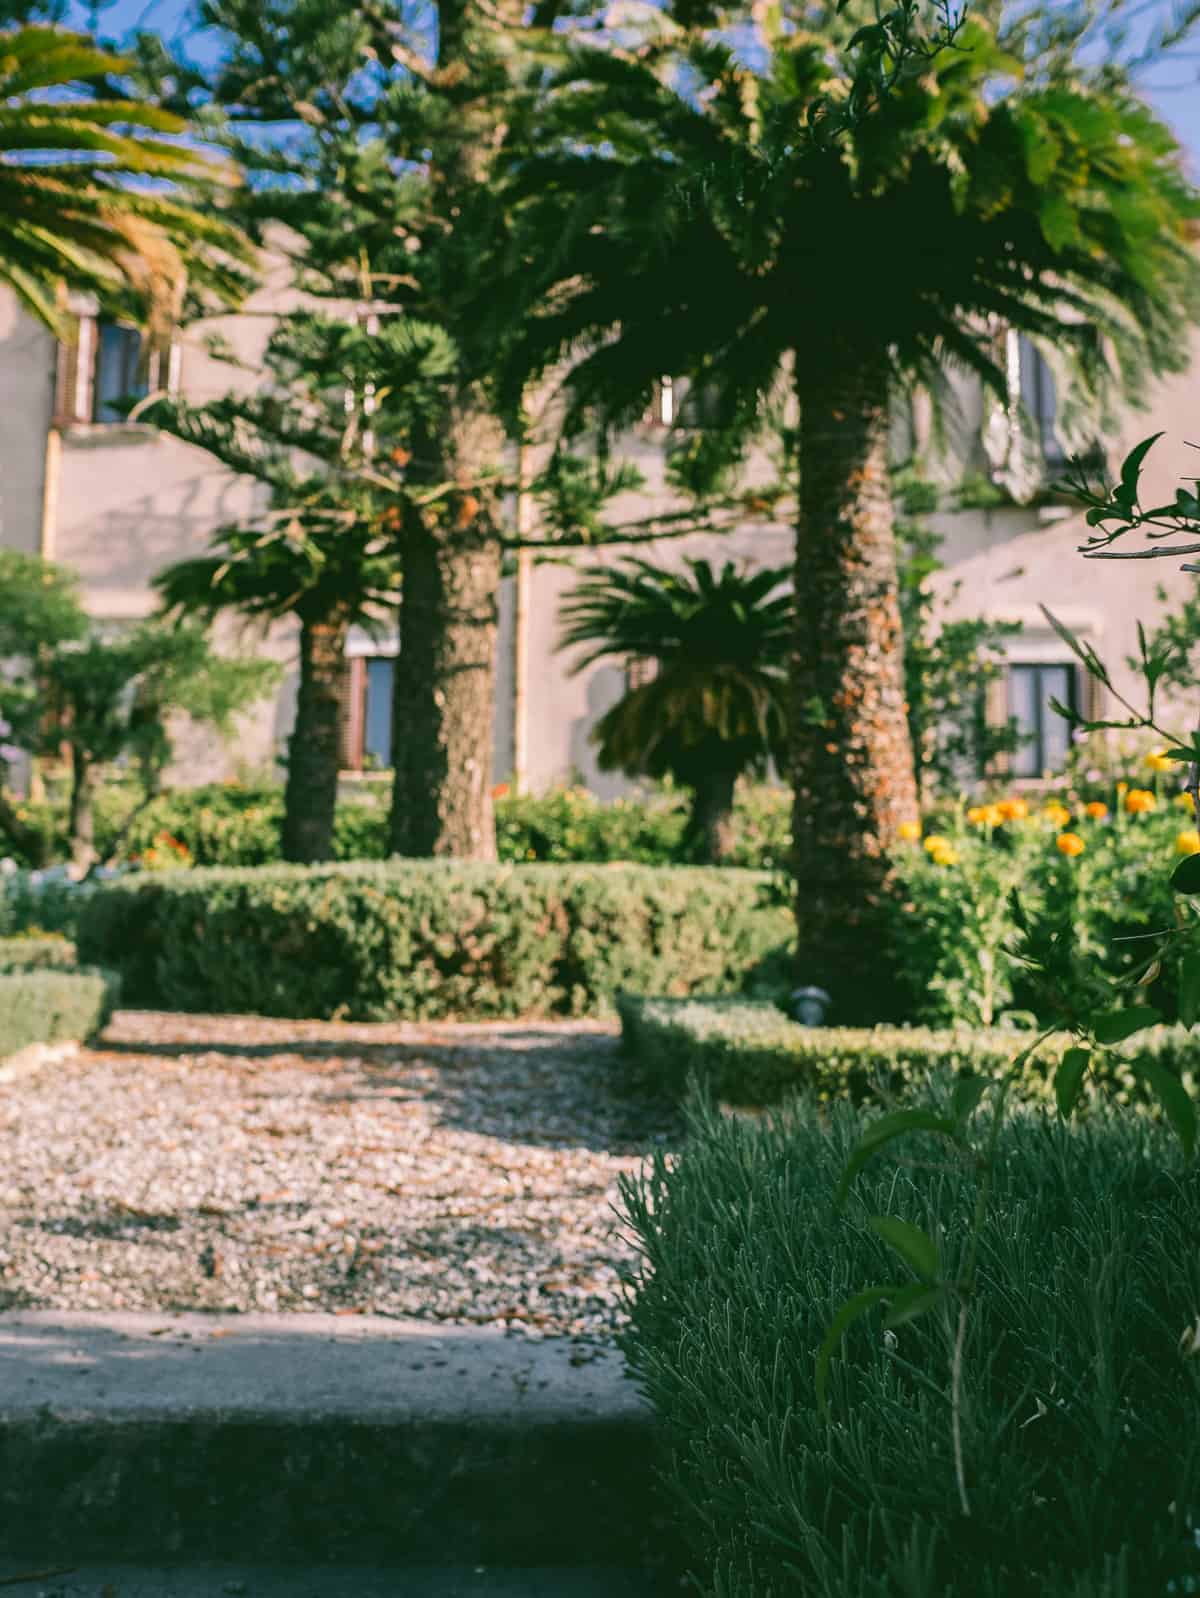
(29, 905)
(227, 824)
(1078, 1407)
(34, 952)
(52, 1006)
(744, 1051)
(428, 938)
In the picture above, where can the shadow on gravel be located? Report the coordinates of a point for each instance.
(542, 1087)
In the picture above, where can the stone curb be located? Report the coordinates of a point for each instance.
(318, 1437)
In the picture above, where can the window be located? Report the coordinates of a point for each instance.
(1045, 735)
(106, 364)
(683, 403)
(1041, 403)
(366, 725)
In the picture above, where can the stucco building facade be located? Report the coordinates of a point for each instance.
(118, 501)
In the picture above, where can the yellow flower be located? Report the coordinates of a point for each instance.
(910, 831)
(1140, 800)
(1157, 761)
(1185, 801)
(1096, 810)
(1188, 843)
(1070, 844)
(1058, 815)
(936, 842)
(977, 815)
(947, 855)
(1122, 787)
(1013, 809)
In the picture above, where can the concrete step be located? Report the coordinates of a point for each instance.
(318, 1439)
(365, 1581)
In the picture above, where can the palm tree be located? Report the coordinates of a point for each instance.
(715, 707)
(323, 551)
(708, 227)
(94, 192)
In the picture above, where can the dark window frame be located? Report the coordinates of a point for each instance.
(1037, 742)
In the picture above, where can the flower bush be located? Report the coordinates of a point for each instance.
(1101, 865)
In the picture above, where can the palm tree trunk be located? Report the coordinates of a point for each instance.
(81, 818)
(442, 703)
(851, 754)
(710, 824)
(310, 794)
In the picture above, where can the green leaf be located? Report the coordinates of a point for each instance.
(912, 1301)
(1118, 1025)
(899, 1123)
(1189, 989)
(968, 1091)
(1131, 471)
(1068, 1080)
(1186, 876)
(915, 1247)
(850, 1311)
(1175, 1100)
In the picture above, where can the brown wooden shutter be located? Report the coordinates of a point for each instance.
(66, 376)
(352, 715)
(996, 712)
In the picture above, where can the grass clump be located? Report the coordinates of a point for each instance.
(1080, 1372)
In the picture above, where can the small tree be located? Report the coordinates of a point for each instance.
(106, 698)
(715, 706)
(324, 550)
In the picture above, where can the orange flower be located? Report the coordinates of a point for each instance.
(1188, 843)
(977, 815)
(500, 790)
(1058, 815)
(1140, 800)
(1013, 809)
(1070, 844)
(1096, 810)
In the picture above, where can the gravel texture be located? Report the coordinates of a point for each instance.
(448, 1172)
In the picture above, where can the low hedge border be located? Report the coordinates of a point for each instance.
(53, 1007)
(429, 940)
(50, 953)
(747, 1052)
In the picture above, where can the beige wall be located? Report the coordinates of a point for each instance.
(130, 501)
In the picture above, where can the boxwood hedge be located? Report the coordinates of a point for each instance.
(47, 1006)
(745, 1051)
(429, 939)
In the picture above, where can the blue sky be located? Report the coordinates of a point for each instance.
(1174, 87)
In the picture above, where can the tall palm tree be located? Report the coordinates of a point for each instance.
(715, 706)
(95, 190)
(322, 551)
(713, 229)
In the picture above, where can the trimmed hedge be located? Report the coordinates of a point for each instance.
(52, 1006)
(428, 939)
(37, 954)
(748, 1052)
(1078, 1408)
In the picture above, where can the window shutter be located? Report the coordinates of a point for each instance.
(350, 715)
(67, 374)
(996, 712)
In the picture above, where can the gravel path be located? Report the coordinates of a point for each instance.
(450, 1172)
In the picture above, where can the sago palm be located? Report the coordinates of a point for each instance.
(707, 226)
(322, 552)
(96, 191)
(715, 706)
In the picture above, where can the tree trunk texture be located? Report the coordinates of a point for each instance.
(81, 818)
(710, 824)
(444, 695)
(851, 754)
(310, 794)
